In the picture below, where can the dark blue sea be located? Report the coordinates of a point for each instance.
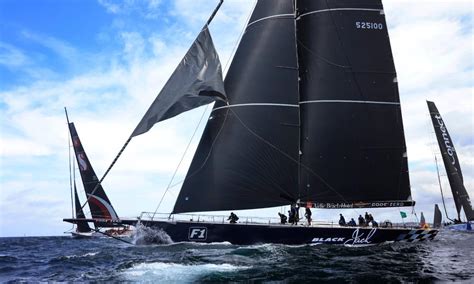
(51, 259)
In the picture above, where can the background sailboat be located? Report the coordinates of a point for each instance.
(453, 170)
(103, 214)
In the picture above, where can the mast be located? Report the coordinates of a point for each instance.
(69, 162)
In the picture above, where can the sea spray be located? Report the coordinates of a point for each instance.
(145, 235)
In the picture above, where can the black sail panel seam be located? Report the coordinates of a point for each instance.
(340, 9)
(277, 16)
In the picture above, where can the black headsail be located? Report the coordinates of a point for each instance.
(451, 163)
(99, 203)
(248, 154)
(82, 226)
(353, 149)
(195, 82)
(437, 218)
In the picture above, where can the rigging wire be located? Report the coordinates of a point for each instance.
(180, 161)
(441, 190)
(287, 155)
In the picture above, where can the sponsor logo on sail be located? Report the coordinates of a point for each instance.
(76, 142)
(197, 233)
(447, 142)
(81, 157)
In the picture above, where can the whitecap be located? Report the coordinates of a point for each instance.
(145, 235)
(82, 255)
(175, 272)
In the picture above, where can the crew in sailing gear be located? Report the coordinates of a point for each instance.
(342, 221)
(233, 218)
(308, 214)
(294, 215)
(282, 218)
(352, 223)
(361, 221)
(370, 218)
(374, 224)
(367, 218)
(468, 226)
(291, 217)
(387, 224)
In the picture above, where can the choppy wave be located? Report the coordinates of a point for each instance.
(145, 235)
(175, 272)
(63, 259)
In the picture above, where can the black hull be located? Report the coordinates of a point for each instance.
(243, 234)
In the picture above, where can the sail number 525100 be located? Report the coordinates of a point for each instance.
(369, 25)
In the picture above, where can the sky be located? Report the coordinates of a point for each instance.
(107, 60)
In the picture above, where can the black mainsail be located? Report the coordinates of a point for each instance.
(99, 203)
(309, 119)
(451, 163)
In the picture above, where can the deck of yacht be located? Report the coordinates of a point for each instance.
(248, 220)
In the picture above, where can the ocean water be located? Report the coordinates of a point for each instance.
(450, 257)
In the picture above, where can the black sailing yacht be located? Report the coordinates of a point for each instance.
(453, 170)
(309, 114)
(102, 212)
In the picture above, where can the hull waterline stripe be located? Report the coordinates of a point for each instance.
(290, 16)
(341, 9)
(256, 104)
(349, 101)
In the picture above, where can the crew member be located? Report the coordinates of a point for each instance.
(352, 223)
(233, 218)
(282, 218)
(342, 221)
(308, 214)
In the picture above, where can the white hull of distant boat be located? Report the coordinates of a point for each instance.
(461, 228)
(84, 235)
